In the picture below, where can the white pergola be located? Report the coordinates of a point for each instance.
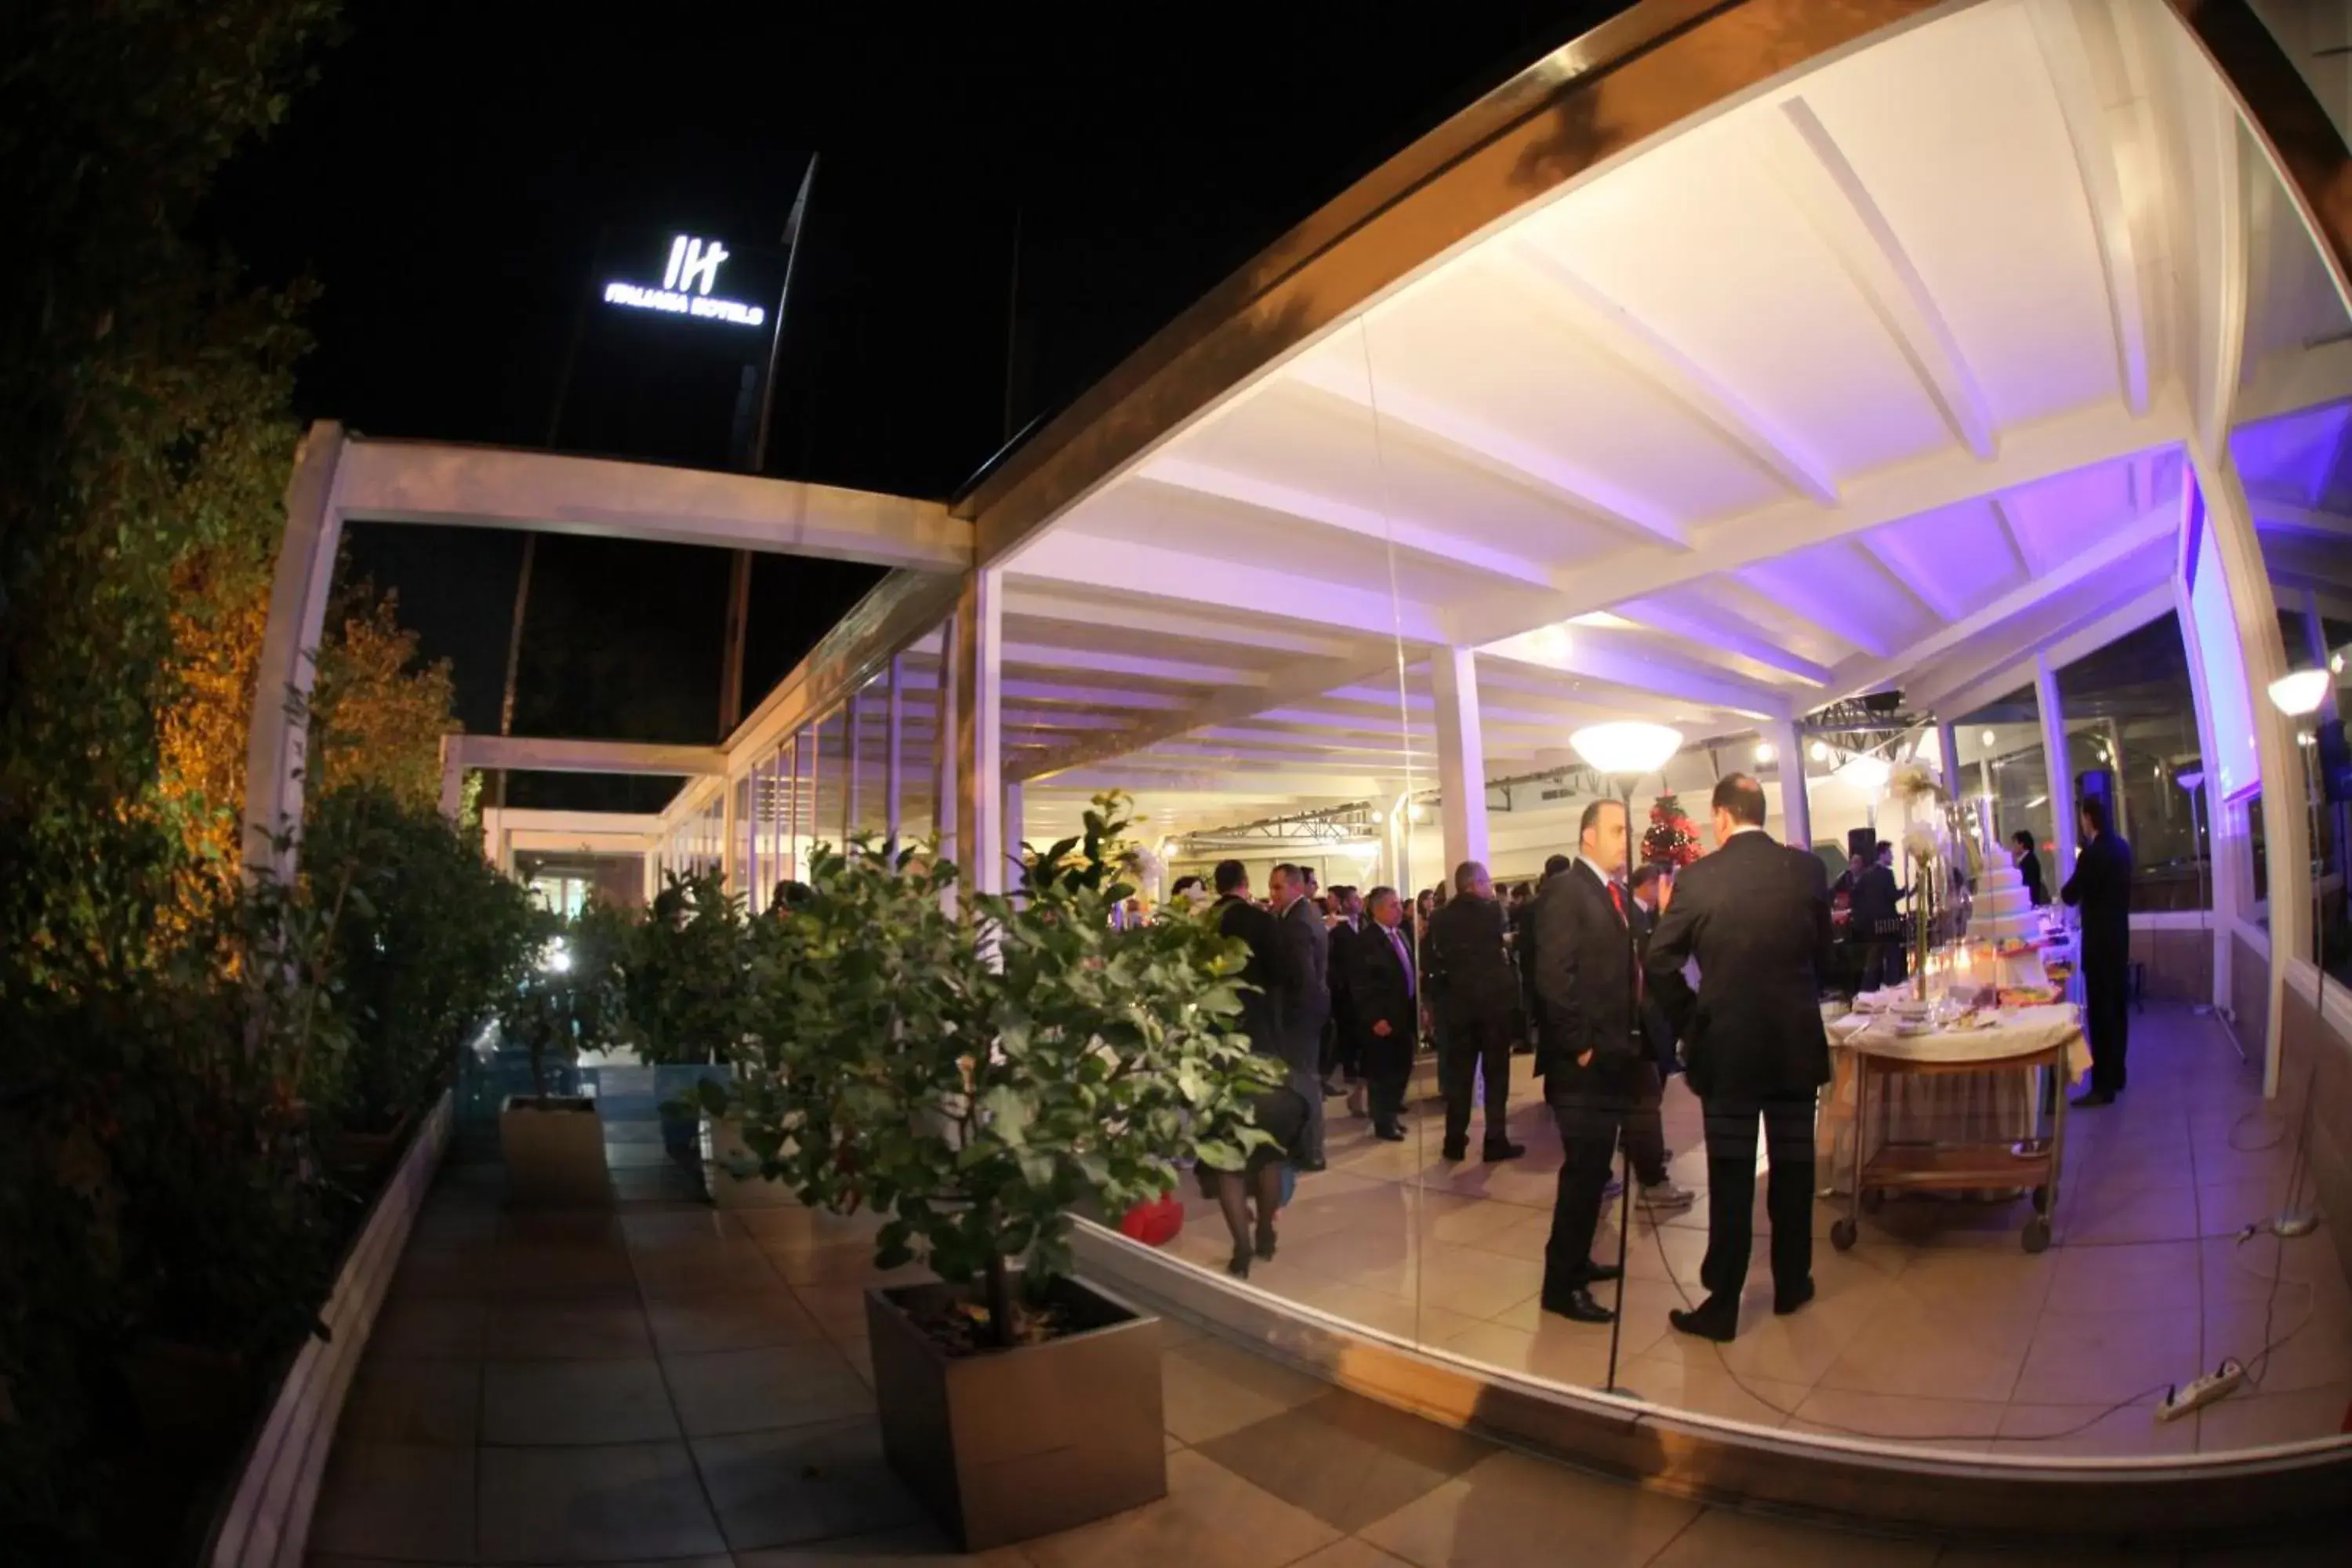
(1730, 362)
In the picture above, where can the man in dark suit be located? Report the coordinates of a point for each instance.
(1523, 949)
(1877, 919)
(1385, 996)
(1262, 976)
(2101, 888)
(1588, 1051)
(1347, 1033)
(1306, 1002)
(1756, 916)
(1472, 987)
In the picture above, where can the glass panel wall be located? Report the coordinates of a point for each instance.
(2002, 761)
(2131, 711)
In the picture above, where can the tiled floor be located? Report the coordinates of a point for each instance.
(672, 1388)
(1938, 1328)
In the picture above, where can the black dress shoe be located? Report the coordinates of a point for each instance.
(1785, 1302)
(2092, 1101)
(1708, 1321)
(1311, 1165)
(1455, 1151)
(1388, 1134)
(1601, 1273)
(1579, 1307)
(1502, 1151)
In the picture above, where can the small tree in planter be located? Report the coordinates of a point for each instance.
(689, 994)
(974, 1077)
(555, 1144)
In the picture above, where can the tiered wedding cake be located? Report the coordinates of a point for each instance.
(2002, 909)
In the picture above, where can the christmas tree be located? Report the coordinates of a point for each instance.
(1671, 840)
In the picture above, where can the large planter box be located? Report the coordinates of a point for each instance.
(1007, 1445)
(676, 1081)
(554, 1151)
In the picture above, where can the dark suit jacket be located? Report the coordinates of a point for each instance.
(2028, 866)
(1306, 996)
(1756, 915)
(1262, 978)
(1876, 904)
(1467, 963)
(1344, 940)
(1381, 989)
(1583, 976)
(2101, 888)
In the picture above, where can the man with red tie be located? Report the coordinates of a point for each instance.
(1589, 1048)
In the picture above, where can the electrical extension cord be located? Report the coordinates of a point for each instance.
(2225, 1379)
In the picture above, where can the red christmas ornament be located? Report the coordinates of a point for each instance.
(1671, 840)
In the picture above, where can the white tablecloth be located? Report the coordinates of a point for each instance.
(1989, 1107)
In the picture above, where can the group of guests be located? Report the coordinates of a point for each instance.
(1595, 965)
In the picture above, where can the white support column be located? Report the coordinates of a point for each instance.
(731, 872)
(452, 781)
(760, 873)
(2060, 771)
(1460, 754)
(980, 769)
(1796, 806)
(650, 865)
(2206, 802)
(278, 740)
(852, 730)
(945, 790)
(1948, 757)
(2285, 802)
(788, 808)
(893, 756)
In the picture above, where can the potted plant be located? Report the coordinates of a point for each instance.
(974, 1076)
(688, 996)
(554, 1143)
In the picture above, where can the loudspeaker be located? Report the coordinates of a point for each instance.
(1862, 841)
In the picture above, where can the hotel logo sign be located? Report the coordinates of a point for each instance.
(686, 286)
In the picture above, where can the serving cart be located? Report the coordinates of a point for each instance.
(2048, 1037)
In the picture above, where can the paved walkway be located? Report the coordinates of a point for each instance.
(670, 1386)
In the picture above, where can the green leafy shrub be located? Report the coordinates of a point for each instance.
(571, 992)
(974, 1076)
(688, 966)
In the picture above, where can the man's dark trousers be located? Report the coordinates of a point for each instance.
(1470, 1039)
(2106, 1018)
(1591, 1105)
(1731, 1191)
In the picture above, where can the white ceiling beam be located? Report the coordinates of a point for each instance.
(2065, 632)
(1303, 681)
(1582, 310)
(2279, 517)
(2070, 37)
(1406, 416)
(1057, 719)
(1797, 153)
(1290, 785)
(1161, 572)
(1918, 586)
(1406, 535)
(545, 492)
(2217, 305)
(2013, 536)
(1618, 658)
(1808, 590)
(1719, 629)
(532, 753)
(1028, 601)
(1033, 691)
(1101, 661)
(2027, 452)
(2100, 560)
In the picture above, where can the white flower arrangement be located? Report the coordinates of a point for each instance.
(1923, 843)
(1915, 781)
(1150, 871)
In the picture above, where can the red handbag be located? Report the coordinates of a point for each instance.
(1154, 1223)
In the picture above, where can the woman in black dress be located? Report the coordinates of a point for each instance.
(2029, 865)
(1283, 1113)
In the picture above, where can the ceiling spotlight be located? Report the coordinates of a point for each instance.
(2300, 693)
(1988, 739)
(1821, 750)
(1764, 753)
(1866, 771)
(1626, 747)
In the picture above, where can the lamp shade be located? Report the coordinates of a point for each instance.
(1629, 746)
(2193, 779)
(1866, 771)
(2299, 693)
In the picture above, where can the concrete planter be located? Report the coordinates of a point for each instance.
(1008, 1444)
(554, 1151)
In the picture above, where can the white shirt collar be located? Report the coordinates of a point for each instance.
(1589, 864)
(1745, 828)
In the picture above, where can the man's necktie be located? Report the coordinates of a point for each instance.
(1617, 896)
(1404, 959)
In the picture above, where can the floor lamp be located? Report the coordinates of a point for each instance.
(2299, 696)
(2193, 781)
(1627, 751)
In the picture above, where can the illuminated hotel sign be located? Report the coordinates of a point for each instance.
(686, 286)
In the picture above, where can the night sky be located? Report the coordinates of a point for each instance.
(448, 175)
